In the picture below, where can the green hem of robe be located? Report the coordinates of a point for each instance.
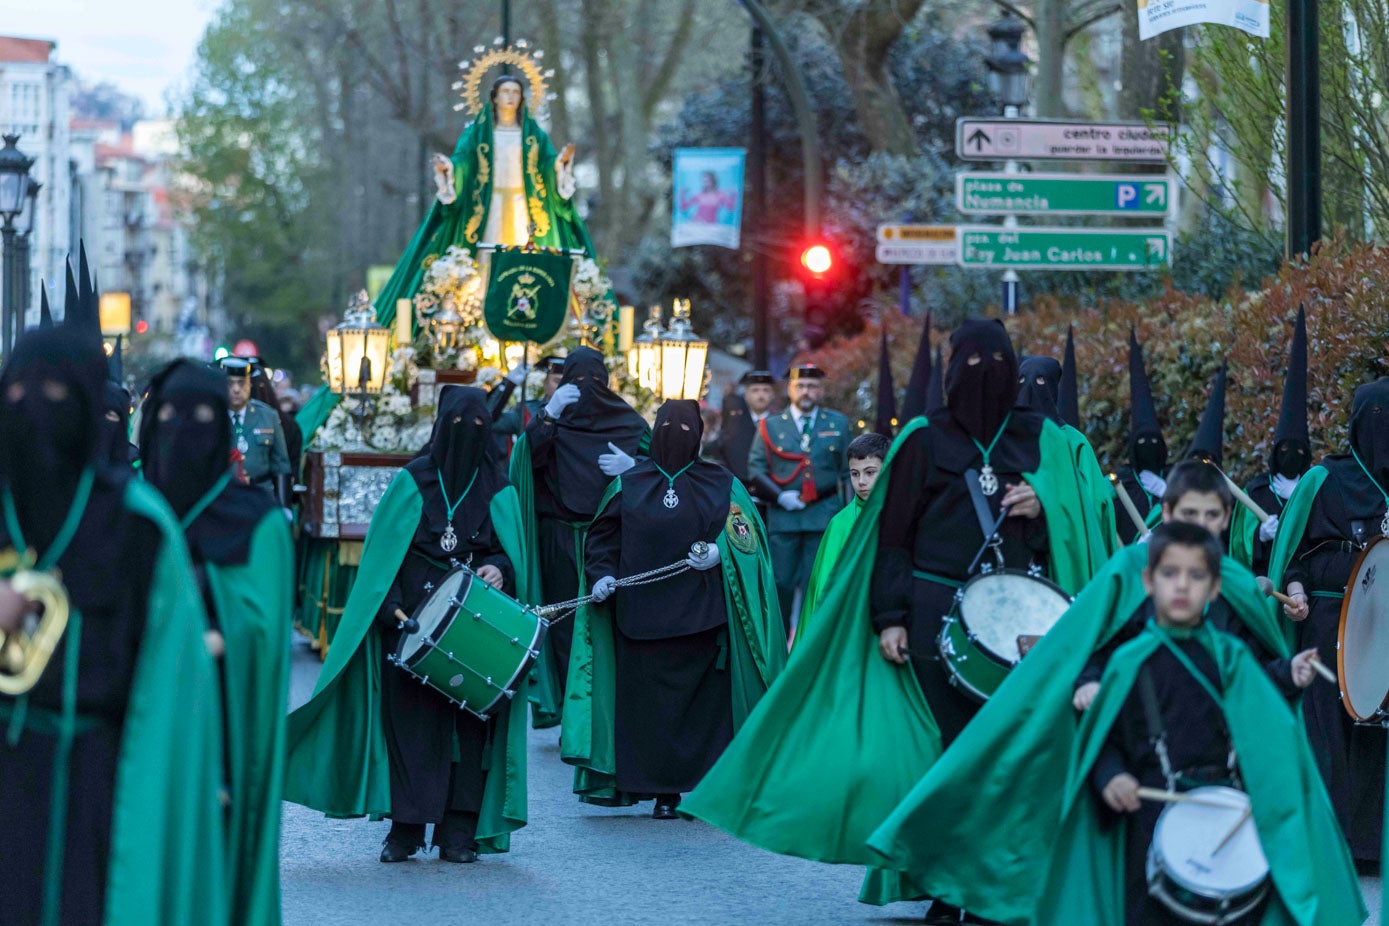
(827, 559)
(336, 760)
(167, 837)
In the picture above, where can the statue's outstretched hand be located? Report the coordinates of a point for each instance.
(567, 155)
(440, 162)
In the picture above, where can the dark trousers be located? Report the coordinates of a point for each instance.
(793, 556)
(559, 581)
(951, 707)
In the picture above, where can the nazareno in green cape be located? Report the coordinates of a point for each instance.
(1010, 762)
(843, 735)
(1313, 877)
(756, 656)
(1292, 524)
(827, 559)
(336, 759)
(255, 602)
(167, 837)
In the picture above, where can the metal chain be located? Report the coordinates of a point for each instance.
(566, 608)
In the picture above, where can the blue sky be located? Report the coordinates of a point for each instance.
(145, 47)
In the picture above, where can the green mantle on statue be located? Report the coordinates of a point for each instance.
(1313, 878)
(756, 656)
(254, 603)
(555, 222)
(167, 837)
(843, 735)
(336, 760)
(993, 863)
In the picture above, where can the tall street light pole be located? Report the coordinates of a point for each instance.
(1304, 128)
(1008, 78)
(757, 202)
(25, 227)
(14, 196)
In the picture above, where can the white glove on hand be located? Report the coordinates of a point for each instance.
(615, 463)
(1269, 529)
(564, 397)
(603, 588)
(708, 560)
(1155, 484)
(790, 500)
(517, 375)
(1283, 486)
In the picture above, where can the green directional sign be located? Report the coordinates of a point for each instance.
(1064, 194)
(1063, 248)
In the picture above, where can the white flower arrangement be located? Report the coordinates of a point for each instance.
(487, 377)
(452, 274)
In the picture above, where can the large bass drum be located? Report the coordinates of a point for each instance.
(979, 638)
(1362, 642)
(475, 644)
(1206, 863)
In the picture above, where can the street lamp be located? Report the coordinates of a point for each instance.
(1008, 78)
(14, 196)
(683, 355)
(24, 226)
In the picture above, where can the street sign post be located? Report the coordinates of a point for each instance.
(1037, 248)
(917, 244)
(999, 139)
(1064, 194)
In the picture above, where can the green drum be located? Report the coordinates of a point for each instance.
(474, 643)
(979, 639)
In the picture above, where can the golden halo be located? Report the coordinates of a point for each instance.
(519, 56)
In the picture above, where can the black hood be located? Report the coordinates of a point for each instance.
(586, 428)
(980, 395)
(915, 402)
(460, 449)
(1039, 384)
(935, 386)
(675, 440)
(1147, 449)
(1369, 428)
(115, 435)
(1292, 443)
(51, 396)
(1209, 442)
(1068, 398)
(887, 393)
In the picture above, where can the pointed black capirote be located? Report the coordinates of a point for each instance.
(1209, 441)
(45, 313)
(115, 364)
(1142, 410)
(1068, 402)
(71, 309)
(80, 309)
(1292, 417)
(935, 388)
(915, 403)
(887, 393)
(84, 274)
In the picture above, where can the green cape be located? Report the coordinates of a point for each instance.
(337, 747)
(993, 863)
(1309, 862)
(756, 655)
(1097, 488)
(843, 735)
(1292, 524)
(167, 838)
(827, 559)
(254, 603)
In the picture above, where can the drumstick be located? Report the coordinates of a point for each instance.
(407, 623)
(1176, 797)
(1242, 497)
(1248, 812)
(1321, 668)
(1128, 506)
(1266, 586)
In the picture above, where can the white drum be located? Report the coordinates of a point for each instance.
(1205, 863)
(979, 638)
(1362, 643)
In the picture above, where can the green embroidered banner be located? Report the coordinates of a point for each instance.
(527, 294)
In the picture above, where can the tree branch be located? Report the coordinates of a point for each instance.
(658, 85)
(1104, 12)
(1004, 4)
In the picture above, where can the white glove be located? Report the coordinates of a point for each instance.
(1283, 486)
(1155, 484)
(615, 463)
(564, 397)
(517, 375)
(708, 560)
(1269, 529)
(603, 588)
(790, 500)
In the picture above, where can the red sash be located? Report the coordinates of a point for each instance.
(803, 466)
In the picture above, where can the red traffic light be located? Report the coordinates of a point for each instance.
(817, 259)
(142, 327)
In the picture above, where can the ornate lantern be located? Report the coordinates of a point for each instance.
(683, 355)
(643, 357)
(358, 351)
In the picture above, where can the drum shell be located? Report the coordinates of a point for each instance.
(481, 649)
(1362, 638)
(1194, 902)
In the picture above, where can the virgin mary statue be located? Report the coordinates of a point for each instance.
(504, 185)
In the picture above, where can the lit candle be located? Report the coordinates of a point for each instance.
(626, 327)
(404, 333)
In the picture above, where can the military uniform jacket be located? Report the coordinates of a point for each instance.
(825, 466)
(264, 454)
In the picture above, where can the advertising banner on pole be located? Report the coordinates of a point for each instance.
(1158, 16)
(707, 193)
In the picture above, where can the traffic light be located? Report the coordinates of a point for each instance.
(817, 259)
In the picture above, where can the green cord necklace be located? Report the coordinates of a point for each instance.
(671, 499)
(1384, 522)
(208, 498)
(449, 541)
(988, 482)
(65, 533)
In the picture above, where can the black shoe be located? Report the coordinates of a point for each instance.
(393, 851)
(665, 807)
(944, 914)
(458, 856)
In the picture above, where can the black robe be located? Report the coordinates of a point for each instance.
(1261, 491)
(928, 524)
(108, 570)
(1198, 746)
(674, 710)
(1144, 502)
(1351, 757)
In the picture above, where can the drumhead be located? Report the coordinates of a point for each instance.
(1364, 634)
(1186, 838)
(435, 610)
(999, 607)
